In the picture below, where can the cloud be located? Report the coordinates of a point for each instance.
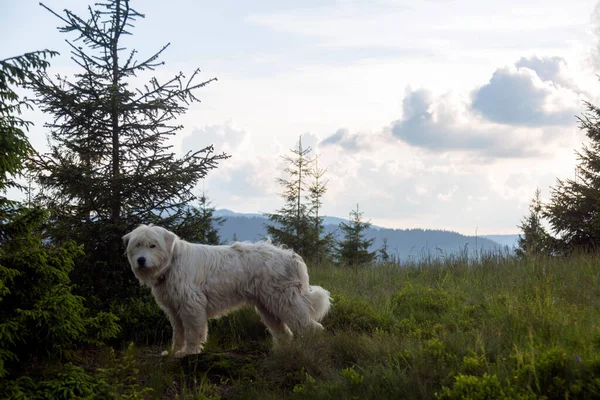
(240, 180)
(432, 25)
(223, 137)
(247, 180)
(408, 189)
(595, 53)
(443, 126)
(411, 191)
(550, 69)
(244, 185)
(519, 96)
(343, 138)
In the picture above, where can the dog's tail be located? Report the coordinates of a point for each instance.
(320, 302)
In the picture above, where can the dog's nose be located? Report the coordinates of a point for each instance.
(141, 261)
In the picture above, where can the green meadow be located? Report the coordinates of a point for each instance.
(500, 328)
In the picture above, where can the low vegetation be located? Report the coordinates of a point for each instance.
(500, 328)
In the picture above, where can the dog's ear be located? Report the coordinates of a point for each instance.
(126, 240)
(169, 238)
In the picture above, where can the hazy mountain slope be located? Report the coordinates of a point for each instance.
(404, 243)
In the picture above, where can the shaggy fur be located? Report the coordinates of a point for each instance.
(195, 282)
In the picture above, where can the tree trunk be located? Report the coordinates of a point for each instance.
(115, 184)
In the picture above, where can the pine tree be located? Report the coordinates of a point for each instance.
(535, 240)
(354, 248)
(383, 251)
(574, 208)
(40, 317)
(291, 224)
(200, 225)
(322, 242)
(110, 166)
(14, 146)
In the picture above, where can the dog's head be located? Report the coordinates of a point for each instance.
(149, 251)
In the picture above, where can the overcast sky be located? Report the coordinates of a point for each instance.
(434, 114)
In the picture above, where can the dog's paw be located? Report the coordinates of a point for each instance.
(317, 326)
(187, 351)
(180, 354)
(164, 353)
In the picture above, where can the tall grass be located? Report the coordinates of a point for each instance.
(446, 327)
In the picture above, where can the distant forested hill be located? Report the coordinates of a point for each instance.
(404, 243)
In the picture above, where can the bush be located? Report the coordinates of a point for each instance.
(241, 328)
(486, 387)
(355, 315)
(117, 381)
(40, 316)
(421, 302)
(550, 372)
(142, 320)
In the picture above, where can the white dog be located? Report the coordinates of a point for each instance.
(195, 282)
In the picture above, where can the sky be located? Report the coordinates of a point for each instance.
(438, 114)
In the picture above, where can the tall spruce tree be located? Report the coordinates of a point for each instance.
(15, 149)
(110, 166)
(535, 240)
(353, 249)
(322, 242)
(291, 224)
(40, 317)
(574, 207)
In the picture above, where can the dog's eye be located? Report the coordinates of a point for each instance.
(137, 245)
(152, 246)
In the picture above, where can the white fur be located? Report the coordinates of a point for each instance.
(195, 282)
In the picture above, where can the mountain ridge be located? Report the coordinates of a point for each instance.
(403, 243)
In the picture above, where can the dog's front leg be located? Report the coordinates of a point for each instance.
(195, 323)
(178, 340)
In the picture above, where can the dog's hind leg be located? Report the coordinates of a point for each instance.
(277, 328)
(296, 313)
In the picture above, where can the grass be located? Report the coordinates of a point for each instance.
(448, 329)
